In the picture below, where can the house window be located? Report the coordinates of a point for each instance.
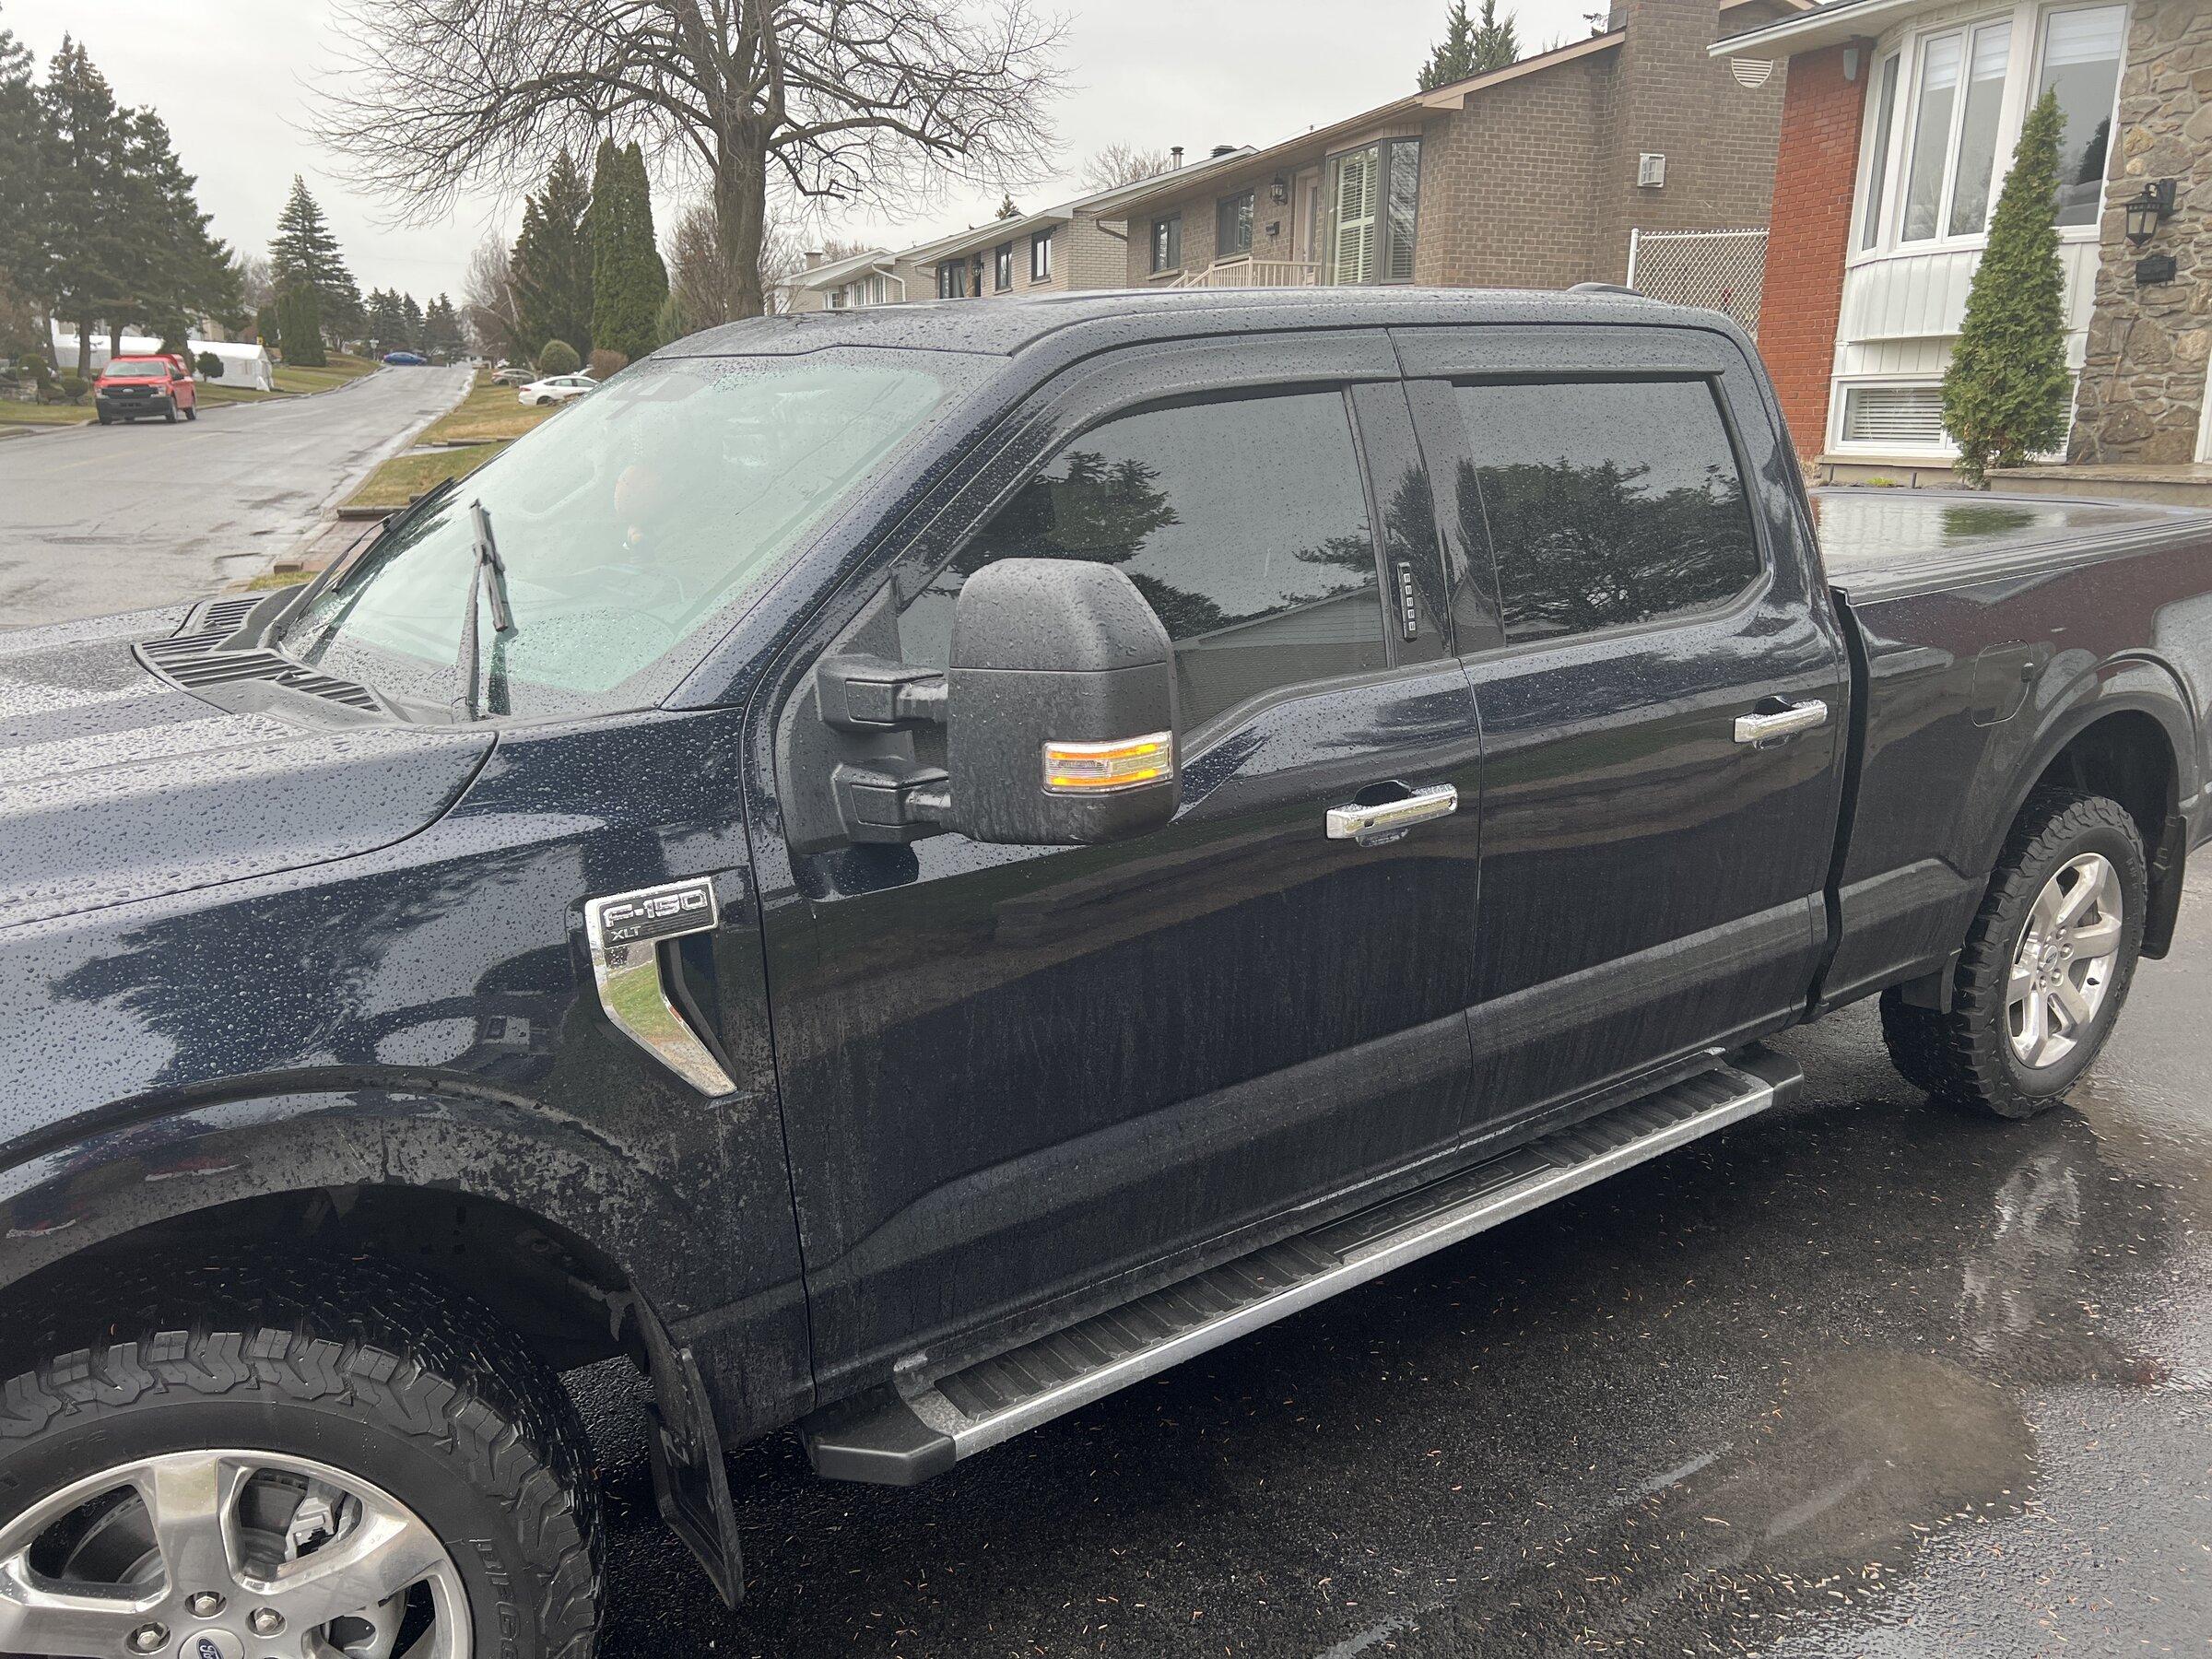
(1002, 268)
(2081, 63)
(1040, 256)
(1878, 177)
(1167, 244)
(952, 279)
(1955, 132)
(1371, 202)
(1902, 416)
(1232, 226)
(840, 298)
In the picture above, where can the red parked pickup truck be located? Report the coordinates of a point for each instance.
(132, 387)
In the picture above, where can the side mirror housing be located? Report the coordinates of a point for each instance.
(1059, 706)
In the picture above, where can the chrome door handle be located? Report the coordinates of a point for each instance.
(1789, 718)
(1390, 819)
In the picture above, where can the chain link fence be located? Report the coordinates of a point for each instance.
(1722, 270)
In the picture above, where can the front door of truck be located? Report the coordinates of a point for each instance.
(1016, 1077)
(1663, 688)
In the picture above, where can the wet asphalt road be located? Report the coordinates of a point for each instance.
(100, 519)
(1864, 1376)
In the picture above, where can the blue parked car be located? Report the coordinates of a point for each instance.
(405, 359)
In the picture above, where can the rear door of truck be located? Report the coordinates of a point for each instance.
(1663, 686)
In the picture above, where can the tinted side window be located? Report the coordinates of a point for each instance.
(1606, 503)
(1243, 521)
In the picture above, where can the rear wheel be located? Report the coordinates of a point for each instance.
(192, 411)
(336, 1461)
(2046, 966)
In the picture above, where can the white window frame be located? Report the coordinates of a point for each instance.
(2030, 22)
(1041, 255)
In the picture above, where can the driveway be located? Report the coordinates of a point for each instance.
(98, 519)
(1864, 1376)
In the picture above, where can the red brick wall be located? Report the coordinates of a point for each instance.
(1809, 237)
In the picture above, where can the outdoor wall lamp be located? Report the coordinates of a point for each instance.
(2146, 208)
(1278, 191)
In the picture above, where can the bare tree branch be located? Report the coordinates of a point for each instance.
(860, 103)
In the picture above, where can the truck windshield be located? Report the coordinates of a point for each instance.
(626, 526)
(138, 368)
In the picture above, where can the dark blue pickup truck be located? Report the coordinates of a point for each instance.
(906, 869)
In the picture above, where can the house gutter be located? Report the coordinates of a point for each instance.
(1831, 25)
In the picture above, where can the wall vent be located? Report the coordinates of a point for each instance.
(1651, 170)
(1751, 73)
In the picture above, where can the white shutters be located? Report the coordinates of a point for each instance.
(1354, 192)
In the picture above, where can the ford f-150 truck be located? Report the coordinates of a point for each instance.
(132, 388)
(904, 869)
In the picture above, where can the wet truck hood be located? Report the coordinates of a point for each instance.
(116, 785)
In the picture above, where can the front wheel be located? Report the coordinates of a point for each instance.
(169, 414)
(2046, 967)
(334, 1461)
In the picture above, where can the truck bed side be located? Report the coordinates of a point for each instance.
(2001, 643)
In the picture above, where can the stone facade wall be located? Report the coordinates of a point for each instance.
(2142, 392)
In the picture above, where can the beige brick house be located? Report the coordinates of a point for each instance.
(1079, 244)
(878, 276)
(1531, 176)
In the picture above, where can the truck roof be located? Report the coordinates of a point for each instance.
(1004, 327)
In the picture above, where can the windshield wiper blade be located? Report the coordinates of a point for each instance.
(483, 562)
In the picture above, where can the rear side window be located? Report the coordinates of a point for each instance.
(1243, 521)
(1606, 503)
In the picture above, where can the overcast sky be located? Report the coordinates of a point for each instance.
(234, 80)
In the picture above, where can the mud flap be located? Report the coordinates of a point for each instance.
(690, 1482)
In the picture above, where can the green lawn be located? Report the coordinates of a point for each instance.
(401, 478)
(214, 392)
(490, 411)
(340, 369)
(45, 415)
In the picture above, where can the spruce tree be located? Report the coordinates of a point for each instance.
(410, 322)
(177, 268)
(2005, 393)
(440, 328)
(552, 262)
(305, 251)
(86, 230)
(1454, 56)
(1496, 45)
(628, 281)
(22, 188)
(299, 319)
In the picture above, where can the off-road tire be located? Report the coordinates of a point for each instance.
(366, 1366)
(1965, 1055)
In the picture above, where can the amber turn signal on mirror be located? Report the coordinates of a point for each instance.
(1098, 768)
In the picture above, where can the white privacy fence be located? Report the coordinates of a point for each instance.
(1724, 270)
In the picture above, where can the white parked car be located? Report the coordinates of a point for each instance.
(556, 388)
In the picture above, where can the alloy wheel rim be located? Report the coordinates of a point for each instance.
(2063, 964)
(228, 1554)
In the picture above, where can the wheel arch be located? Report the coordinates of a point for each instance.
(2130, 735)
(472, 1192)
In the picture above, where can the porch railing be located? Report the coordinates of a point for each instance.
(1247, 272)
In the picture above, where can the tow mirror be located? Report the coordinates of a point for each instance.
(1057, 709)
(1060, 706)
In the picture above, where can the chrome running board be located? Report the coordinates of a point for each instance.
(899, 1436)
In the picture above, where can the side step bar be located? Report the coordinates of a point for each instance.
(902, 1436)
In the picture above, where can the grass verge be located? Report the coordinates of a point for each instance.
(490, 411)
(45, 415)
(340, 369)
(401, 478)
